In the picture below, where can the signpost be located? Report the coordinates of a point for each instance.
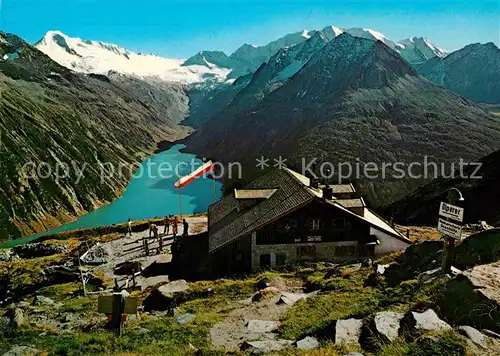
(450, 221)
(449, 229)
(116, 306)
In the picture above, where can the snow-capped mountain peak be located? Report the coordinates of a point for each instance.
(419, 49)
(331, 32)
(101, 57)
(370, 35)
(414, 50)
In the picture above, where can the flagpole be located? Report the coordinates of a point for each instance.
(215, 190)
(180, 202)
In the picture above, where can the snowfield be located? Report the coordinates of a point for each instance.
(99, 57)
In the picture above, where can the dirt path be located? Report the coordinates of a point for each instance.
(233, 330)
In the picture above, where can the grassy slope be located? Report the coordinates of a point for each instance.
(343, 295)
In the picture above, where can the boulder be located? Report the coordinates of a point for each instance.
(348, 331)
(265, 346)
(291, 298)
(417, 258)
(381, 269)
(478, 249)
(473, 298)
(166, 297)
(429, 276)
(159, 301)
(96, 255)
(428, 321)
(474, 335)
(42, 300)
(262, 326)
(262, 283)
(174, 287)
(308, 343)
(39, 250)
(387, 324)
(185, 318)
(18, 350)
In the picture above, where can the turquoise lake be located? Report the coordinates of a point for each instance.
(149, 195)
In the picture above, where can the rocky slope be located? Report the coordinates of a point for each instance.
(356, 98)
(52, 116)
(473, 72)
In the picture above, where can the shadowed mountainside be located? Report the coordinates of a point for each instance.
(482, 196)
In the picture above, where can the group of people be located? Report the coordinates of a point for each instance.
(169, 220)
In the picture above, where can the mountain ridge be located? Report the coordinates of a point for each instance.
(473, 71)
(380, 99)
(205, 66)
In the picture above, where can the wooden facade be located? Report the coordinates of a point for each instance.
(316, 222)
(315, 232)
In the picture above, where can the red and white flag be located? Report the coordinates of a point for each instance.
(183, 181)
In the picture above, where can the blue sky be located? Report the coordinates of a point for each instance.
(180, 29)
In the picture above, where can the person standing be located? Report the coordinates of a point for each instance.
(129, 227)
(174, 229)
(153, 229)
(167, 225)
(185, 226)
(160, 244)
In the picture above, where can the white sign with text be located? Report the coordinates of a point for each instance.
(450, 229)
(451, 211)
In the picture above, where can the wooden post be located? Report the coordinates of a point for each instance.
(81, 274)
(445, 265)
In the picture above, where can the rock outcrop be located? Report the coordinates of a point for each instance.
(425, 321)
(348, 331)
(39, 250)
(307, 343)
(265, 346)
(174, 287)
(387, 324)
(166, 297)
(474, 335)
(473, 298)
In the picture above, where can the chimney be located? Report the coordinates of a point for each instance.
(314, 182)
(327, 193)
